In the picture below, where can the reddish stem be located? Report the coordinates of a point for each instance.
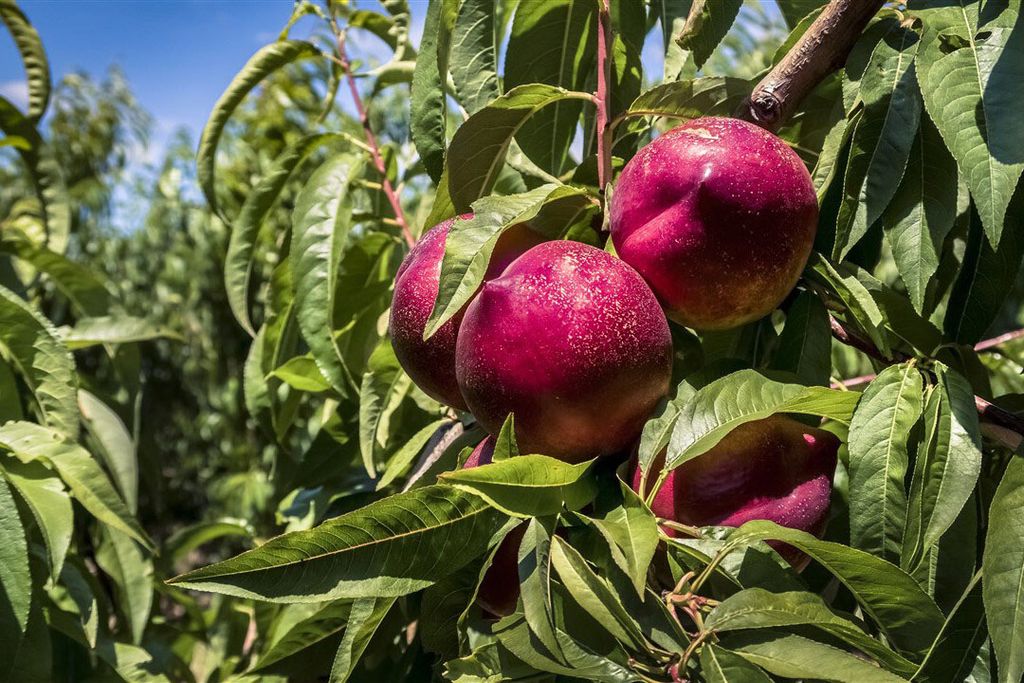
(371, 140)
(604, 151)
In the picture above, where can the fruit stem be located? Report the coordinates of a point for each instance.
(821, 50)
(371, 139)
(604, 149)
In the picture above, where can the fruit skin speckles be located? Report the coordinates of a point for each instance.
(776, 469)
(431, 363)
(719, 216)
(572, 342)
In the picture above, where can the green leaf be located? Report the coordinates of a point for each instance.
(132, 573)
(551, 43)
(879, 446)
(805, 345)
(1002, 568)
(88, 483)
(882, 139)
(33, 56)
(44, 172)
(320, 228)
(756, 608)
(549, 209)
(10, 399)
(792, 656)
(962, 640)
(302, 373)
(477, 153)
(83, 287)
(741, 397)
(183, 541)
(114, 329)
(969, 81)
(594, 594)
(632, 534)
(690, 99)
(15, 579)
(429, 109)
(707, 24)
(116, 445)
(505, 445)
(890, 596)
(528, 485)
(389, 548)
(380, 382)
(239, 261)
(922, 212)
(363, 620)
(855, 297)
(473, 55)
(722, 666)
(267, 60)
(311, 624)
(947, 467)
(534, 563)
(987, 276)
(48, 501)
(43, 361)
(404, 456)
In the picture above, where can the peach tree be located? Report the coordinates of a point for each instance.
(580, 372)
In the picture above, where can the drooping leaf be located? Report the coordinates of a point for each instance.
(320, 227)
(389, 548)
(883, 137)
(477, 153)
(403, 458)
(185, 540)
(860, 305)
(83, 287)
(706, 25)
(1002, 569)
(528, 485)
(947, 467)
(632, 534)
(968, 76)
(380, 381)
(267, 60)
(302, 373)
(534, 563)
(879, 445)
(922, 212)
(33, 56)
(962, 640)
(42, 360)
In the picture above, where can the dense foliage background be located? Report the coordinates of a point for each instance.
(174, 394)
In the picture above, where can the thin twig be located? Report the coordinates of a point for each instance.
(1011, 432)
(604, 152)
(371, 139)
